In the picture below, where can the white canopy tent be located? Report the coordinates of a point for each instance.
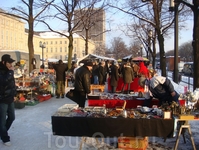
(93, 57)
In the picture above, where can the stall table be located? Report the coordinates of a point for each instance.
(111, 127)
(114, 103)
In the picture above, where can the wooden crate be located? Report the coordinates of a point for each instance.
(97, 87)
(132, 143)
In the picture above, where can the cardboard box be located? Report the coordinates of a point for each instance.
(187, 117)
(133, 143)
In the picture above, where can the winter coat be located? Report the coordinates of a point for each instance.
(161, 88)
(83, 80)
(7, 85)
(101, 74)
(95, 70)
(60, 71)
(114, 76)
(128, 74)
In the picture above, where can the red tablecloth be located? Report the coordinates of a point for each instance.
(129, 103)
(134, 85)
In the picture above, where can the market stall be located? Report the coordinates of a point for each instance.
(140, 121)
(34, 88)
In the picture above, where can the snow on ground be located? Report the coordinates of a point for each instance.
(32, 130)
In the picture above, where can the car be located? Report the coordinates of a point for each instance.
(157, 66)
(188, 69)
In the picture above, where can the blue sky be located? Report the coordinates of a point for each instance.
(184, 36)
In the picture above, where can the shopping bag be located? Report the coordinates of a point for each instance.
(70, 94)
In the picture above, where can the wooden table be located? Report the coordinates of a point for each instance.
(185, 125)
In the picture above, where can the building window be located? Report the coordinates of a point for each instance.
(74, 41)
(60, 42)
(60, 49)
(47, 43)
(51, 42)
(75, 50)
(55, 49)
(66, 49)
(55, 42)
(51, 50)
(47, 50)
(65, 42)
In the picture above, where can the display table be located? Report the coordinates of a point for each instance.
(111, 127)
(112, 103)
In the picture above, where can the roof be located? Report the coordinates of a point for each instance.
(93, 56)
(49, 34)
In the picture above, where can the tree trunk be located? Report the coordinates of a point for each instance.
(86, 42)
(196, 47)
(70, 50)
(30, 43)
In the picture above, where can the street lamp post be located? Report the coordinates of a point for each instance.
(174, 7)
(42, 45)
(141, 47)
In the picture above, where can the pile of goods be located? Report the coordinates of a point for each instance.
(72, 110)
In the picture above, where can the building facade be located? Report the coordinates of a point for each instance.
(14, 37)
(94, 21)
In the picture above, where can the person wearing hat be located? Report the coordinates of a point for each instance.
(7, 96)
(82, 83)
(60, 70)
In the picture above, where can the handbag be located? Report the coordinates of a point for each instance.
(71, 95)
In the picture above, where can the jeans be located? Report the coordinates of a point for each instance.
(7, 116)
(95, 80)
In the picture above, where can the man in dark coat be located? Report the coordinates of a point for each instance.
(101, 73)
(7, 96)
(60, 70)
(114, 77)
(82, 83)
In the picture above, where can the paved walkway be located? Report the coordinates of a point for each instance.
(32, 130)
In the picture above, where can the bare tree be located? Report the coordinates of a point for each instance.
(186, 51)
(119, 49)
(63, 11)
(155, 13)
(26, 11)
(90, 19)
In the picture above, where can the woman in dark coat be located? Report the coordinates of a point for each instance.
(128, 76)
(101, 73)
(114, 77)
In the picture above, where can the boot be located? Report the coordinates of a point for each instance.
(62, 96)
(58, 96)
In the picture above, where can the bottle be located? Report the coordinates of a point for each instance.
(104, 108)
